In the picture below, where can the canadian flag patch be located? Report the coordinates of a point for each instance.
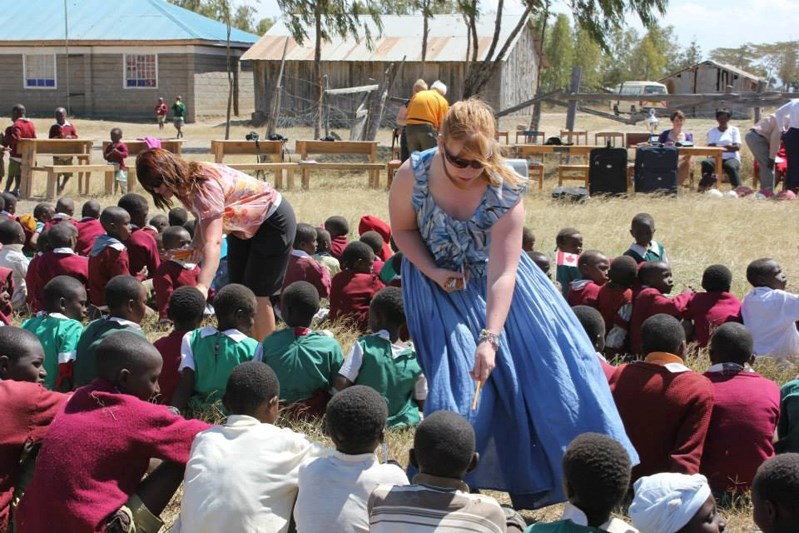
(566, 259)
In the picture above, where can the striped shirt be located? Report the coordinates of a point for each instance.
(433, 503)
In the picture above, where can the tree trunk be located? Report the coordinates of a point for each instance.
(317, 65)
(425, 31)
(229, 77)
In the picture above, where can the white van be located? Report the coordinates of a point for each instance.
(639, 88)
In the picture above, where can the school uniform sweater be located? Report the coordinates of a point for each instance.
(170, 276)
(108, 258)
(88, 230)
(33, 281)
(6, 285)
(62, 131)
(609, 300)
(709, 310)
(337, 245)
(302, 267)
(143, 252)
(647, 302)
(59, 336)
(85, 369)
(58, 262)
(666, 409)
(23, 128)
(788, 429)
(94, 456)
(655, 251)
(351, 293)
(169, 348)
(583, 292)
(372, 223)
(745, 414)
(28, 409)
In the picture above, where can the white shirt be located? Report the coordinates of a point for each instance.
(186, 352)
(725, 138)
(788, 114)
(242, 477)
(11, 257)
(771, 315)
(577, 516)
(334, 491)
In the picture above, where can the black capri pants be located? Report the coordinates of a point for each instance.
(260, 262)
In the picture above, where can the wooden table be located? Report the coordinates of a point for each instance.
(527, 150)
(30, 149)
(365, 148)
(711, 151)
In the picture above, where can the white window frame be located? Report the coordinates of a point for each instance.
(25, 73)
(125, 71)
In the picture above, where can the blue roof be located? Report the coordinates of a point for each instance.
(111, 20)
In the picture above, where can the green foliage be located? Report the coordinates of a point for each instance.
(588, 56)
(264, 24)
(651, 54)
(412, 7)
(559, 52)
(242, 17)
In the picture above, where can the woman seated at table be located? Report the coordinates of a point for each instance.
(678, 135)
(728, 137)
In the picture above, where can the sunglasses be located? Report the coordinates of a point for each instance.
(462, 163)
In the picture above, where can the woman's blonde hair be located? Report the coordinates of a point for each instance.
(419, 85)
(472, 123)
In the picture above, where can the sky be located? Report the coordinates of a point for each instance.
(714, 24)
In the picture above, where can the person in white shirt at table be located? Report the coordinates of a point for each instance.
(788, 115)
(729, 138)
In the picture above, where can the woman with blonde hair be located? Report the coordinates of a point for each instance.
(495, 339)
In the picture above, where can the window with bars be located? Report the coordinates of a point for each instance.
(40, 71)
(141, 71)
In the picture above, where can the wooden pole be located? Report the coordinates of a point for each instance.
(274, 113)
(574, 88)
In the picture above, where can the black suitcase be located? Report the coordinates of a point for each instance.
(607, 171)
(656, 169)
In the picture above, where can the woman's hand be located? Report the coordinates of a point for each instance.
(203, 289)
(484, 361)
(448, 280)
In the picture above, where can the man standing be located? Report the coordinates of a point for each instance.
(788, 115)
(160, 112)
(425, 115)
(62, 129)
(22, 128)
(178, 115)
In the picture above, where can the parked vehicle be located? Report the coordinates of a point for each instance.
(643, 89)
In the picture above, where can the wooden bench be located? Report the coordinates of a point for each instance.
(567, 136)
(53, 171)
(137, 147)
(604, 137)
(573, 173)
(31, 149)
(367, 148)
(529, 136)
(391, 169)
(268, 157)
(500, 134)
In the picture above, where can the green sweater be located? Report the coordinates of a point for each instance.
(86, 360)
(59, 336)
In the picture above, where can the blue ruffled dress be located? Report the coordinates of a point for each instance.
(547, 387)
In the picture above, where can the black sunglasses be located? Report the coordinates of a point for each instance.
(462, 163)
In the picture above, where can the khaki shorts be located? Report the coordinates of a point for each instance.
(133, 517)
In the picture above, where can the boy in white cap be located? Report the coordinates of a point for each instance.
(671, 503)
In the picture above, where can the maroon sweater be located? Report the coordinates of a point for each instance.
(52, 264)
(169, 348)
(88, 230)
(337, 245)
(666, 414)
(745, 415)
(709, 310)
(170, 276)
(21, 129)
(63, 131)
(351, 293)
(583, 292)
(143, 252)
(116, 153)
(609, 300)
(105, 265)
(647, 302)
(305, 268)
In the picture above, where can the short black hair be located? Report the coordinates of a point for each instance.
(191, 226)
(597, 468)
(299, 302)
(528, 237)
(732, 343)
(650, 269)
(592, 322)
(388, 302)
(723, 111)
(134, 204)
(178, 216)
(374, 240)
(541, 260)
(777, 481)
(91, 208)
(623, 271)
(173, 235)
(123, 350)
(9, 231)
(337, 225)
(186, 306)
(305, 234)
(120, 290)
(233, 297)
(65, 205)
(662, 333)
(61, 235)
(60, 287)
(717, 278)
(356, 250)
(566, 233)
(444, 444)
(2, 202)
(159, 220)
(759, 269)
(41, 209)
(249, 386)
(14, 341)
(588, 257)
(43, 242)
(113, 215)
(322, 235)
(355, 418)
(9, 200)
(643, 219)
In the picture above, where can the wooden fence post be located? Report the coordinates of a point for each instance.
(574, 88)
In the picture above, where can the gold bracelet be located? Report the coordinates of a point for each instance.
(489, 337)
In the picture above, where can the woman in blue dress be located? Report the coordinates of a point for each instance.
(479, 310)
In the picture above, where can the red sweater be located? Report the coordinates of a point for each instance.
(666, 414)
(609, 300)
(305, 268)
(745, 415)
(63, 131)
(647, 302)
(170, 276)
(709, 310)
(337, 245)
(32, 281)
(52, 264)
(143, 252)
(6, 285)
(94, 456)
(169, 347)
(372, 223)
(105, 265)
(583, 292)
(21, 129)
(28, 409)
(116, 153)
(88, 230)
(350, 295)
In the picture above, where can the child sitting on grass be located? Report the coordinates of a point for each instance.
(614, 302)
(775, 492)
(32, 277)
(664, 405)
(303, 267)
(644, 249)
(596, 473)
(159, 222)
(59, 329)
(379, 361)
(12, 238)
(322, 253)
(209, 354)
(90, 468)
(746, 409)
(375, 242)
(89, 227)
(439, 499)
(569, 246)
(528, 239)
(593, 267)
(64, 212)
(175, 271)
(61, 260)
(594, 327)
(115, 154)
(334, 490)
(141, 244)
(177, 216)
(339, 228)
(788, 428)
(243, 475)
(716, 306)
(109, 256)
(372, 224)
(353, 288)
(186, 311)
(656, 281)
(306, 362)
(770, 312)
(28, 409)
(126, 299)
(675, 503)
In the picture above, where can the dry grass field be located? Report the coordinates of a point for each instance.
(696, 230)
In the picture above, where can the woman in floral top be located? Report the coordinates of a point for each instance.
(259, 222)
